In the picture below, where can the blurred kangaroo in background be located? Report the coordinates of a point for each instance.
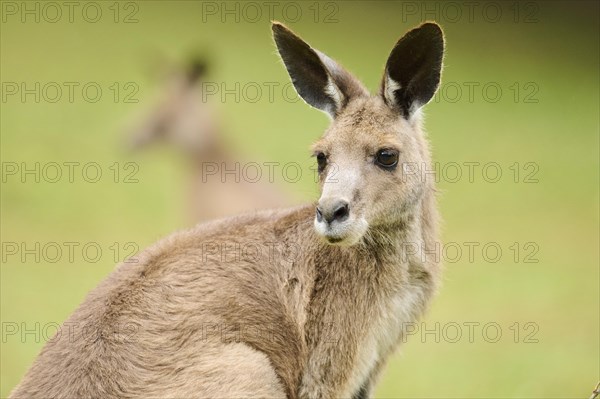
(307, 302)
(186, 120)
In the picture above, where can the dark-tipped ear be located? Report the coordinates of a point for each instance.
(196, 69)
(413, 70)
(319, 80)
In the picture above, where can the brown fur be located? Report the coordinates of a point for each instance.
(262, 305)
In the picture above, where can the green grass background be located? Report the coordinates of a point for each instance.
(558, 52)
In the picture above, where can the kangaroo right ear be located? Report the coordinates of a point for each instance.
(318, 79)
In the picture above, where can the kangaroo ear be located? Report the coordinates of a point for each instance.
(413, 70)
(318, 79)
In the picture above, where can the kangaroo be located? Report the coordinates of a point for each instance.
(307, 302)
(186, 120)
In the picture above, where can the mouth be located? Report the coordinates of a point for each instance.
(344, 233)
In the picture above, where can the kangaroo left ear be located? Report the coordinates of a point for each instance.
(413, 69)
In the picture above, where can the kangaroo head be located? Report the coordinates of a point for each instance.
(363, 155)
(181, 117)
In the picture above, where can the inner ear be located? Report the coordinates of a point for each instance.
(413, 69)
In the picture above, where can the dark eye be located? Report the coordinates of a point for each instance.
(386, 158)
(321, 161)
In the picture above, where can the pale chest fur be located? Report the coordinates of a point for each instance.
(391, 315)
(369, 298)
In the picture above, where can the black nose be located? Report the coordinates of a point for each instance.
(339, 211)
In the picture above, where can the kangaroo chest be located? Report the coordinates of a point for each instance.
(353, 327)
(389, 319)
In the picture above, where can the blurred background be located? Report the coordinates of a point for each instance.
(111, 109)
